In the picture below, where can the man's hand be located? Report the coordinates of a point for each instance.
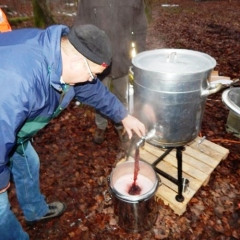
(131, 123)
(4, 189)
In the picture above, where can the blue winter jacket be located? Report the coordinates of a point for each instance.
(30, 71)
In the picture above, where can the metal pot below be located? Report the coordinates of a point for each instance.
(231, 98)
(136, 213)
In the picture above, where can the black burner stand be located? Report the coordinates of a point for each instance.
(178, 181)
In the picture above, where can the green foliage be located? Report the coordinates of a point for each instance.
(18, 20)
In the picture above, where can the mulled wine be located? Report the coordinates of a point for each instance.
(135, 189)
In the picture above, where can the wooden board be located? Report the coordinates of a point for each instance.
(215, 76)
(199, 159)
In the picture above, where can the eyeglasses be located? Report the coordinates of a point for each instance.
(93, 76)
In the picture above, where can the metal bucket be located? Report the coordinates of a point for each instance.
(231, 98)
(136, 213)
(170, 91)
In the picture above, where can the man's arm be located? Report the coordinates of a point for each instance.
(131, 123)
(98, 96)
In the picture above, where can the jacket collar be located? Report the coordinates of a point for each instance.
(52, 44)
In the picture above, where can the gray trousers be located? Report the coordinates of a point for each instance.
(118, 87)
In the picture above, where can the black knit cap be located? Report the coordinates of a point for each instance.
(92, 43)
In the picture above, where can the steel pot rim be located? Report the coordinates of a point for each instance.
(135, 198)
(181, 63)
(230, 104)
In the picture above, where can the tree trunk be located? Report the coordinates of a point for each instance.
(42, 14)
(148, 9)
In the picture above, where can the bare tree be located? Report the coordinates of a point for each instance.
(148, 9)
(42, 14)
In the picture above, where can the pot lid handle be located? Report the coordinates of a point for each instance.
(172, 57)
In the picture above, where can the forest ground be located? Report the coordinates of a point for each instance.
(74, 169)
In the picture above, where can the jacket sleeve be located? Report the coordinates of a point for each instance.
(14, 111)
(98, 96)
(140, 27)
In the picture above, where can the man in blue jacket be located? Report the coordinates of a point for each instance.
(41, 71)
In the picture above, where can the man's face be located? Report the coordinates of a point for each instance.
(82, 70)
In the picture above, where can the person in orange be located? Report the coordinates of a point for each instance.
(4, 24)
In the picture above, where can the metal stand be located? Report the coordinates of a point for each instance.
(178, 181)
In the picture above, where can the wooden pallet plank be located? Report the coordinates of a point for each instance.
(171, 159)
(193, 166)
(195, 153)
(153, 150)
(147, 156)
(194, 173)
(197, 167)
(168, 197)
(196, 178)
(210, 148)
(201, 157)
(190, 156)
(194, 183)
(214, 78)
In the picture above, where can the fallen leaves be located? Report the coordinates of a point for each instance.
(75, 170)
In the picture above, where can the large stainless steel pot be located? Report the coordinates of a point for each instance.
(170, 90)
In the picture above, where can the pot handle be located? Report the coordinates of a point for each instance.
(213, 88)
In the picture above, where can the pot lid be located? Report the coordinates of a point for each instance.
(174, 61)
(231, 98)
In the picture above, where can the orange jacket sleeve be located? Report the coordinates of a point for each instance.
(4, 24)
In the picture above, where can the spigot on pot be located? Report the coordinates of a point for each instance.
(141, 142)
(149, 135)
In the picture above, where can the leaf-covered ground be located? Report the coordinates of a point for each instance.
(75, 170)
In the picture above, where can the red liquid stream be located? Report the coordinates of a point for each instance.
(135, 189)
